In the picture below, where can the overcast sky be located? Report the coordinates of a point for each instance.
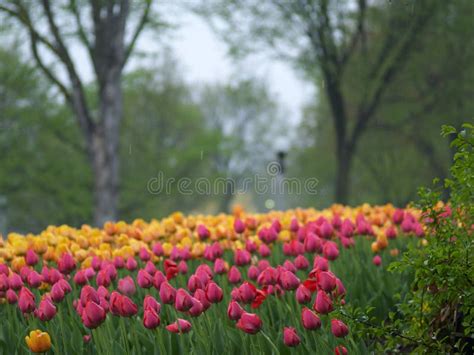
(203, 57)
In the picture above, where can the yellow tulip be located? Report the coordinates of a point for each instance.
(38, 341)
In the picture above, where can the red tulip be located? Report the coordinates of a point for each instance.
(180, 326)
(338, 328)
(11, 297)
(86, 338)
(323, 303)
(234, 275)
(151, 319)
(46, 310)
(290, 337)
(340, 350)
(31, 257)
(303, 294)
(249, 323)
(167, 293)
(93, 315)
(183, 301)
(150, 302)
(127, 286)
(26, 300)
(309, 319)
(234, 310)
(144, 279)
(377, 260)
(214, 293)
(171, 269)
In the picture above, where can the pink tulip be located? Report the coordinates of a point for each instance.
(88, 294)
(253, 272)
(249, 323)
(34, 279)
(234, 310)
(4, 269)
(144, 254)
(11, 297)
(219, 266)
(115, 303)
(151, 319)
(127, 286)
(326, 280)
(4, 283)
(338, 328)
(150, 268)
(200, 295)
(167, 293)
(80, 278)
(144, 279)
(158, 279)
(194, 283)
(264, 250)
(239, 226)
(31, 257)
(93, 315)
(289, 281)
(182, 267)
(294, 225)
(398, 216)
(128, 308)
(66, 263)
(214, 293)
(197, 308)
(15, 281)
(203, 232)
(180, 326)
(301, 263)
(26, 301)
(131, 264)
(377, 260)
(234, 275)
(330, 250)
(309, 319)
(57, 293)
(323, 304)
(46, 310)
(157, 249)
(247, 292)
(241, 257)
(303, 295)
(290, 337)
(150, 302)
(183, 301)
(119, 262)
(340, 350)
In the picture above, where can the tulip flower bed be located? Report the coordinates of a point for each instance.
(241, 283)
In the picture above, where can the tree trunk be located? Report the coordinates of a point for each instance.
(105, 152)
(344, 161)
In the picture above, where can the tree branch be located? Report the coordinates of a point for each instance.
(358, 34)
(79, 102)
(80, 27)
(141, 25)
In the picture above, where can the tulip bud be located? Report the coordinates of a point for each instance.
(214, 293)
(303, 295)
(290, 337)
(234, 310)
(249, 323)
(151, 319)
(323, 303)
(180, 326)
(338, 328)
(309, 319)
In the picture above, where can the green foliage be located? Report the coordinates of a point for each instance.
(437, 316)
